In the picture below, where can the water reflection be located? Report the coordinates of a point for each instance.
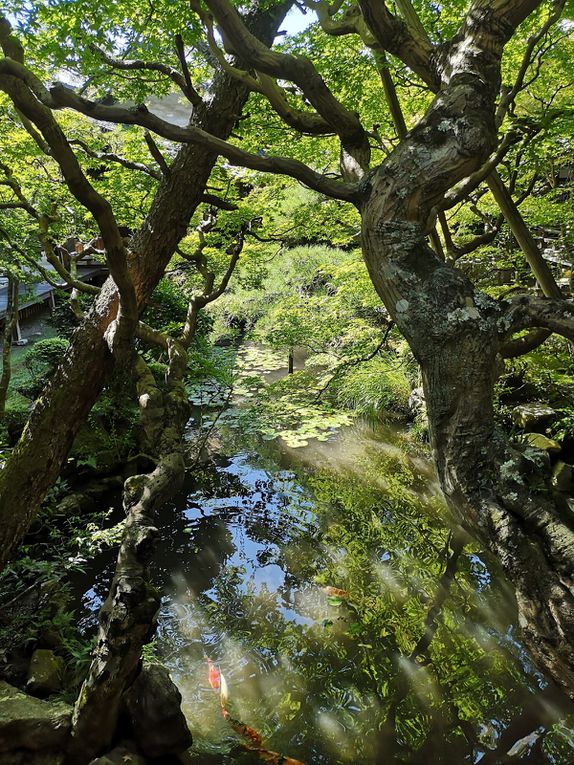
(413, 662)
(326, 679)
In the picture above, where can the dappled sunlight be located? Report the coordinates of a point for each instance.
(308, 589)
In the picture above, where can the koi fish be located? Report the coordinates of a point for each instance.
(254, 738)
(214, 675)
(223, 691)
(335, 592)
(274, 758)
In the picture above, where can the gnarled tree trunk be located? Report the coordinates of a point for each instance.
(456, 334)
(127, 619)
(58, 414)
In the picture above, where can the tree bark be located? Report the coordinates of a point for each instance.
(9, 325)
(493, 489)
(127, 619)
(77, 382)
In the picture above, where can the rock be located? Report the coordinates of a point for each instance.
(45, 672)
(533, 416)
(119, 756)
(563, 477)
(29, 723)
(416, 402)
(28, 757)
(153, 704)
(539, 441)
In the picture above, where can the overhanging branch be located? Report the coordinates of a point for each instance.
(59, 97)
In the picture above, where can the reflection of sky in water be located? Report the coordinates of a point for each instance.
(237, 561)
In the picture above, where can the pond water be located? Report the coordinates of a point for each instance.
(308, 577)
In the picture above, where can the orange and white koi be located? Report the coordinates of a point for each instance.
(214, 675)
(253, 739)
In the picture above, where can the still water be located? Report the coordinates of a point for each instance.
(321, 583)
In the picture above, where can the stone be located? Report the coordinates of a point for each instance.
(540, 441)
(416, 402)
(28, 757)
(119, 756)
(30, 723)
(45, 672)
(153, 704)
(533, 416)
(563, 477)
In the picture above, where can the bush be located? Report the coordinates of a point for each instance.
(381, 385)
(109, 436)
(15, 416)
(39, 364)
(167, 307)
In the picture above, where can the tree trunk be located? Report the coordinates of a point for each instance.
(539, 266)
(127, 619)
(495, 491)
(78, 381)
(9, 325)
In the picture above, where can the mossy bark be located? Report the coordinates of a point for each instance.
(37, 459)
(495, 491)
(127, 619)
(10, 321)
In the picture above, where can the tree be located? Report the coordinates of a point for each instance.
(456, 333)
(135, 270)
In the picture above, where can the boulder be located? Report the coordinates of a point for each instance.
(533, 416)
(539, 441)
(29, 723)
(28, 757)
(119, 756)
(563, 477)
(45, 672)
(153, 704)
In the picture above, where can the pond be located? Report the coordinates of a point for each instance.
(321, 583)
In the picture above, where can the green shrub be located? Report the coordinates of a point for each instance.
(167, 307)
(38, 365)
(381, 385)
(15, 416)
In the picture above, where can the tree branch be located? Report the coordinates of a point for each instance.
(303, 121)
(154, 150)
(528, 311)
(113, 157)
(191, 93)
(518, 346)
(394, 36)
(222, 204)
(237, 39)
(461, 191)
(59, 96)
(154, 66)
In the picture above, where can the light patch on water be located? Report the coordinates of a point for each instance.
(335, 735)
(390, 581)
(421, 681)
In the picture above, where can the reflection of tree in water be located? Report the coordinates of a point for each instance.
(419, 664)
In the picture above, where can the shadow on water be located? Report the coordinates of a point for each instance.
(307, 575)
